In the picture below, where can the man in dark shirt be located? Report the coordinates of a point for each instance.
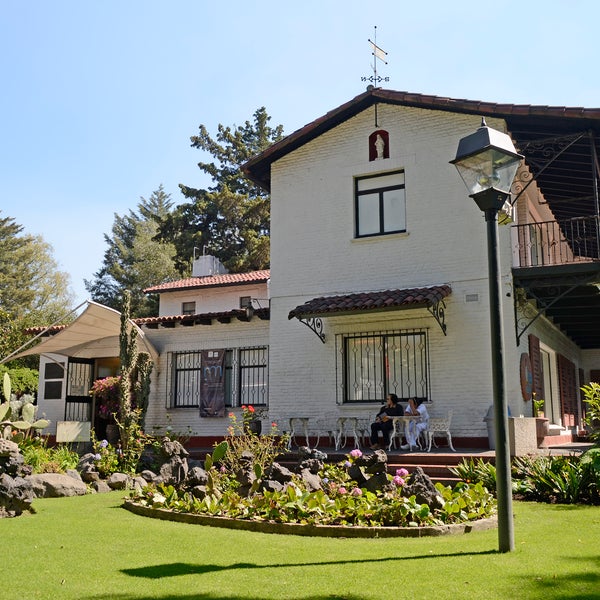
(383, 422)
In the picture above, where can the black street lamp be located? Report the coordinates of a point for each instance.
(487, 162)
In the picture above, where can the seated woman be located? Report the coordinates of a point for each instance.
(418, 409)
(384, 423)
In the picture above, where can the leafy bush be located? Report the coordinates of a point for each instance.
(591, 394)
(44, 459)
(558, 479)
(264, 448)
(473, 471)
(339, 502)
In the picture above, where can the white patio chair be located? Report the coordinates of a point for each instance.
(439, 425)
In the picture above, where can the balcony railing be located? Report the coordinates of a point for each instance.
(553, 243)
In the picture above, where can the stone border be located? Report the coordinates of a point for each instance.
(311, 530)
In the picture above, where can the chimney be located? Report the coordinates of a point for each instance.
(207, 265)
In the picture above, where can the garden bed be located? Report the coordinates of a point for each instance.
(309, 529)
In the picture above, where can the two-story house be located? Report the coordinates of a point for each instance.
(379, 280)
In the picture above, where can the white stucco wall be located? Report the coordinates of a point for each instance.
(212, 299)
(314, 253)
(236, 334)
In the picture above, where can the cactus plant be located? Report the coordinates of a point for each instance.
(18, 414)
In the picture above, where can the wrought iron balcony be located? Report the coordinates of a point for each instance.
(556, 243)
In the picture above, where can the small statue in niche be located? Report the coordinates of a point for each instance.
(379, 145)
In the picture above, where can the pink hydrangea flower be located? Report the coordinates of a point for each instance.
(356, 492)
(398, 481)
(401, 472)
(356, 453)
(342, 490)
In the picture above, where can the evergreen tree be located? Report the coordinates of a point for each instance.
(230, 220)
(135, 259)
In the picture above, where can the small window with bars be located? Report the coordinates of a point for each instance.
(246, 378)
(375, 364)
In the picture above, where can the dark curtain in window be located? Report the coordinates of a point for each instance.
(212, 384)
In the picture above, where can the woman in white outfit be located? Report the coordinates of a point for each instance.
(416, 408)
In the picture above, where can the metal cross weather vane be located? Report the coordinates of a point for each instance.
(380, 54)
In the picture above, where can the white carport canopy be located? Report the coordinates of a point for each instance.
(93, 334)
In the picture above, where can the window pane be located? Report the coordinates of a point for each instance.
(383, 181)
(54, 370)
(53, 390)
(253, 376)
(380, 363)
(186, 379)
(407, 365)
(368, 214)
(364, 363)
(394, 210)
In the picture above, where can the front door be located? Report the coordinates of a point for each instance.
(78, 401)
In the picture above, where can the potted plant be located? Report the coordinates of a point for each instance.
(538, 406)
(541, 423)
(106, 395)
(251, 418)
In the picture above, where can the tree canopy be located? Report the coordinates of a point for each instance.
(231, 219)
(135, 259)
(33, 291)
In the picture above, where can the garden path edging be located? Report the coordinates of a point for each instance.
(311, 530)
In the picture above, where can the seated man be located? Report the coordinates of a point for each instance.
(384, 423)
(418, 409)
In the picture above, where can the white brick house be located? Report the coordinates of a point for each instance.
(378, 279)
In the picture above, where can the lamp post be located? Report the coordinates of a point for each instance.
(487, 162)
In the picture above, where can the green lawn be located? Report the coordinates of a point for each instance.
(88, 547)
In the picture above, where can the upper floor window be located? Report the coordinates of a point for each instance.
(188, 308)
(380, 204)
(245, 301)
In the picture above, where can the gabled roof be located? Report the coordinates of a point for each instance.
(211, 281)
(567, 183)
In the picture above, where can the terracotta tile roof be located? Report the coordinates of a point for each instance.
(229, 279)
(201, 318)
(372, 301)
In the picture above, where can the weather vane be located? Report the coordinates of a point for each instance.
(378, 54)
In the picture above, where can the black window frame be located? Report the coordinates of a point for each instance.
(381, 191)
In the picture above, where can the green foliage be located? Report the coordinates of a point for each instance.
(107, 457)
(591, 398)
(231, 219)
(538, 405)
(339, 502)
(33, 292)
(134, 389)
(23, 379)
(45, 459)
(135, 259)
(18, 415)
(558, 479)
(264, 448)
(473, 471)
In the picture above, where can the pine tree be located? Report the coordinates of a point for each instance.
(135, 259)
(230, 220)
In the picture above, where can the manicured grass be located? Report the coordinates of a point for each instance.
(90, 548)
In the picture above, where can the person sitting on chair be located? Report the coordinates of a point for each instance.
(415, 408)
(384, 423)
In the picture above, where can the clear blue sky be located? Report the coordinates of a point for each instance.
(98, 99)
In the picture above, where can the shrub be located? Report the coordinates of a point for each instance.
(591, 394)
(339, 502)
(44, 459)
(558, 479)
(473, 471)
